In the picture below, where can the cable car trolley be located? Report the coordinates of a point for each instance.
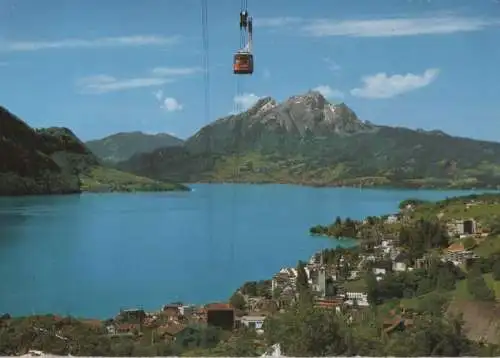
(243, 58)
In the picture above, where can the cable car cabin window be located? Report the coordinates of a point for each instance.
(243, 63)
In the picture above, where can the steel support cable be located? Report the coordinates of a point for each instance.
(235, 150)
(208, 143)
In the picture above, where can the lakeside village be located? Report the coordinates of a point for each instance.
(335, 277)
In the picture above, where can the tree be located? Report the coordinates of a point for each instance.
(432, 304)
(237, 300)
(496, 270)
(338, 221)
(431, 336)
(477, 287)
(307, 332)
(445, 279)
(372, 288)
(302, 285)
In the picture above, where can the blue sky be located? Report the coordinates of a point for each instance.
(100, 67)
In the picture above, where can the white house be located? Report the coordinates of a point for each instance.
(360, 298)
(392, 219)
(377, 271)
(251, 321)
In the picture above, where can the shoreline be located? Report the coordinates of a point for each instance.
(353, 186)
(185, 188)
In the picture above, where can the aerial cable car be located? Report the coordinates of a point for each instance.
(243, 58)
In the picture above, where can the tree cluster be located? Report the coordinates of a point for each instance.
(394, 285)
(422, 236)
(347, 228)
(320, 332)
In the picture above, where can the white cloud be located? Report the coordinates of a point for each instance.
(175, 71)
(103, 83)
(123, 41)
(381, 85)
(245, 100)
(276, 21)
(384, 27)
(332, 65)
(170, 104)
(329, 92)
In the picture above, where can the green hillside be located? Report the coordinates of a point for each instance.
(55, 161)
(307, 140)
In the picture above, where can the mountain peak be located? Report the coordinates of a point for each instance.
(312, 99)
(263, 105)
(267, 123)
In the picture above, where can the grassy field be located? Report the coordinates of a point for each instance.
(101, 179)
(483, 211)
(358, 285)
(461, 292)
(489, 246)
(254, 167)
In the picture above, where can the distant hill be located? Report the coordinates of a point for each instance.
(55, 161)
(307, 140)
(121, 146)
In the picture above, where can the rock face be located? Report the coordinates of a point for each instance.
(122, 146)
(269, 124)
(308, 140)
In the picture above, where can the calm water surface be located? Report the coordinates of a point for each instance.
(92, 254)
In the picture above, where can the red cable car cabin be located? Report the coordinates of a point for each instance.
(243, 63)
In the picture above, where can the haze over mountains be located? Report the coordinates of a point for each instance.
(308, 140)
(122, 146)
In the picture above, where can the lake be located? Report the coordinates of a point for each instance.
(92, 254)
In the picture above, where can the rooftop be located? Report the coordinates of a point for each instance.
(456, 247)
(218, 306)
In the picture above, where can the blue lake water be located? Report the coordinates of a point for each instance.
(92, 254)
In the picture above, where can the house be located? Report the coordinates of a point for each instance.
(379, 272)
(462, 227)
(286, 277)
(399, 262)
(353, 275)
(220, 315)
(392, 219)
(359, 298)
(394, 253)
(128, 328)
(316, 259)
(457, 254)
(187, 310)
(171, 312)
(253, 321)
(318, 278)
(132, 315)
(111, 329)
(470, 227)
(199, 315)
(329, 303)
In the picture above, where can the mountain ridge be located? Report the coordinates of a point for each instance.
(121, 146)
(307, 140)
(54, 161)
